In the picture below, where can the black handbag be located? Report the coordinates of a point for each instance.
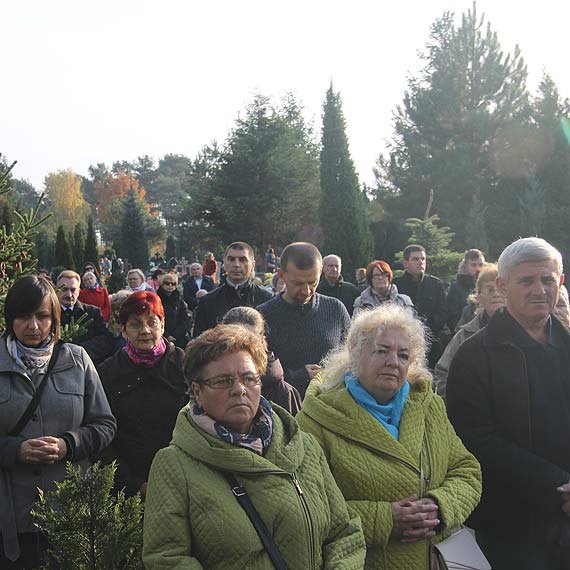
(246, 504)
(32, 406)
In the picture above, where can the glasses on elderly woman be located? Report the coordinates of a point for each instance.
(223, 382)
(169, 283)
(152, 323)
(380, 276)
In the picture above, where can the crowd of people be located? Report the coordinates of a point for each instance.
(299, 421)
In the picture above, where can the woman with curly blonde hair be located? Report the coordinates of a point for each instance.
(390, 446)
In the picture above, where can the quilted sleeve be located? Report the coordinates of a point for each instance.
(460, 492)
(376, 517)
(167, 533)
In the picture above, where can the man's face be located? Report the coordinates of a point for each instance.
(196, 271)
(531, 291)
(238, 265)
(474, 266)
(300, 284)
(67, 291)
(415, 265)
(331, 269)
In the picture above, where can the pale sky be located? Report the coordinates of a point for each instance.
(86, 82)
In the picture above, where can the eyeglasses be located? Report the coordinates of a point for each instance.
(152, 323)
(380, 276)
(224, 382)
(169, 283)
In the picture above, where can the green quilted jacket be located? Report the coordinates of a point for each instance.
(192, 519)
(373, 469)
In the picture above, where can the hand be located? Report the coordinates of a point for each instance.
(564, 490)
(44, 450)
(312, 370)
(414, 520)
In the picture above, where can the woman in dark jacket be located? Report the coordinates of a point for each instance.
(273, 384)
(175, 311)
(146, 389)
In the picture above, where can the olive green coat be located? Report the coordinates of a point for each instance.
(192, 519)
(373, 469)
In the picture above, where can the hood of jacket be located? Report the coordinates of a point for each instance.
(284, 453)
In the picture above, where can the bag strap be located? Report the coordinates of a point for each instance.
(246, 504)
(32, 406)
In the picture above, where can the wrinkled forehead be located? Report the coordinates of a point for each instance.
(238, 253)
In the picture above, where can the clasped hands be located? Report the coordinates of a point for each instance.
(42, 450)
(413, 519)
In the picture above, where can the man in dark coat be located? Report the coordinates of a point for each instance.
(238, 289)
(93, 337)
(333, 285)
(427, 294)
(508, 397)
(194, 283)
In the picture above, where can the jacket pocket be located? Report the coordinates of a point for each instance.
(68, 385)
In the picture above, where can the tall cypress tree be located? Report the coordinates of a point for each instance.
(63, 253)
(134, 245)
(343, 204)
(79, 245)
(91, 250)
(170, 248)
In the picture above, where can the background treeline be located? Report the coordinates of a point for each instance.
(493, 156)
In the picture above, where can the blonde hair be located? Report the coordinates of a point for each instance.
(363, 330)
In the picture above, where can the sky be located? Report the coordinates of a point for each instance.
(86, 82)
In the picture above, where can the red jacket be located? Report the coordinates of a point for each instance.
(98, 297)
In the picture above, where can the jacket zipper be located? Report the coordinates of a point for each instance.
(308, 519)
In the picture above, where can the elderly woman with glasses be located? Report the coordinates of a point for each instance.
(176, 320)
(380, 288)
(391, 448)
(229, 441)
(144, 382)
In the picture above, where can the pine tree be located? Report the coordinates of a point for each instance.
(134, 245)
(79, 245)
(343, 204)
(63, 253)
(87, 525)
(91, 250)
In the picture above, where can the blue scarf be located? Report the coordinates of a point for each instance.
(389, 414)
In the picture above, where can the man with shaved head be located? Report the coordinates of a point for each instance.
(333, 285)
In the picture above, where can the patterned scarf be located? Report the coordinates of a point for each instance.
(146, 358)
(257, 440)
(27, 357)
(389, 414)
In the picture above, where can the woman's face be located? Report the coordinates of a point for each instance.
(384, 364)
(490, 298)
(380, 281)
(168, 284)
(34, 328)
(134, 280)
(144, 330)
(89, 280)
(234, 406)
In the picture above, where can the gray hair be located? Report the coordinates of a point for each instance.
(138, 272)
(196, 264)
(363, 330)
(332, 256)
(524, 250)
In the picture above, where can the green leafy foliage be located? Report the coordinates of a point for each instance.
(88, 526)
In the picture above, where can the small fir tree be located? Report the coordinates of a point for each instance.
(91, 250)
(63, 253)
(87, 525)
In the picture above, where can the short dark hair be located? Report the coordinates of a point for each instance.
(140, 302)
(302, 254)
(240, 245)
(473, 255)
(412, 248)
(245, 316)
(26, 296)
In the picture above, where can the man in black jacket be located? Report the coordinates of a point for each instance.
(508, 397)
(427, 294)
(93, 336)
(195, 283)
(333, 285)
(238, 290)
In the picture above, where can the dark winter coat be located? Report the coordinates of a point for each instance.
(275, 389)
(457, 296)
(342, 290)
(489, 404)
(146, 402)
(191, 288)
(176, 320)
(217, 303)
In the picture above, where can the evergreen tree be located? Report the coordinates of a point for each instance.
(7, 218)
(343, 204)
(45, 249)
(134, 245)
(63, 253)
(91, 251)
(170, 248)
(88, 526)
(79, 246)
